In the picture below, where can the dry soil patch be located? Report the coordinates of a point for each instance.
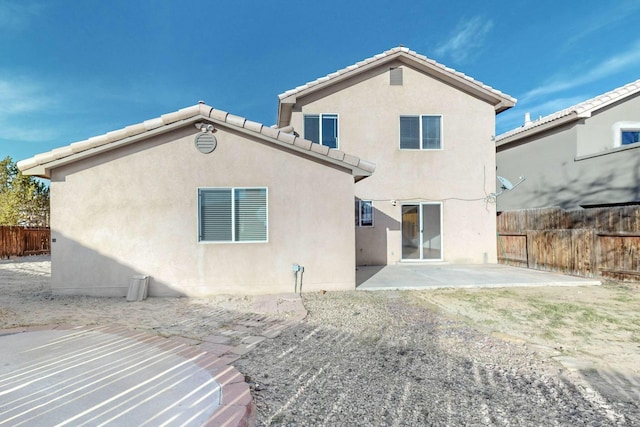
(595, 325)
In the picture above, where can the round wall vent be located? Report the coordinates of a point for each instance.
(206, 143)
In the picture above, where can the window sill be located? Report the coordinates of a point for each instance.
(248, 242)
(604, 153)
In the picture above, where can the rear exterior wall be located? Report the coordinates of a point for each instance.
(134, 210)
(459, 175)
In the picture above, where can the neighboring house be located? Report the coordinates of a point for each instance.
(587, 155)
(203, 202)
(430, 130)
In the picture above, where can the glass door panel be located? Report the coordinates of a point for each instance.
(422, 231)
(410, 232)
(431, 232)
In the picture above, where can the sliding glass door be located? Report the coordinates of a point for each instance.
(422, 231)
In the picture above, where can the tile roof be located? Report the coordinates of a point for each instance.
(582, 110)
(41, 164)
(389, 55)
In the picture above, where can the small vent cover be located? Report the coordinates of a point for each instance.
(206, 142)
(395, 76)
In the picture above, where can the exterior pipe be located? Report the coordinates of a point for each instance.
(297, 268)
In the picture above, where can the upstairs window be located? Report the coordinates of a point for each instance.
(364, 213)
(232, 215)
(630, 137)
(420, 132)
(322, 129)
(625, 133)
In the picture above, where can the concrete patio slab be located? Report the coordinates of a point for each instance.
(435, 276)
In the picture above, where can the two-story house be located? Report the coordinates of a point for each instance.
(580, 157)
(430, 131)
(202, 201)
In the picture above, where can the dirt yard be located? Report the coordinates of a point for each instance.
(587, 327)
(519, 356)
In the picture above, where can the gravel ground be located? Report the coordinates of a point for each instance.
(358, 359)
(375, 359)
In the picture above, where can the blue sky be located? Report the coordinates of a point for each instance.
(72, 69)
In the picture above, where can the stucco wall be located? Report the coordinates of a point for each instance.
(600, 130)
(557, 176)
(134, 211)
(544, 162)
(369, 110)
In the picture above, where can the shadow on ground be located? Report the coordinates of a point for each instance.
(375, 359)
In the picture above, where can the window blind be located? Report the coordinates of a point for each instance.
(409, 132)
(232, 215)
(312, 128)
(251, 214)
(215, 215)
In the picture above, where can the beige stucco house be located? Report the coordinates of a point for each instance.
(205, 202)
(430, 130)
(587, 155)
(202, 202)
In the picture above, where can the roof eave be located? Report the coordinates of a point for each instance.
(38, 170)
(358, 178)
(44, 170)
(357, 167)
(285, 109)
(337, 77)
(304, 147)
(504, 105)
(500, 101)
(538, 129)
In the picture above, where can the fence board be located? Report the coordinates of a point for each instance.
(22, 241)
(549, 250)
(512, 222)
(545, 219)
(630, 219)
(618, 256)
(583, 256)
(590, 242)
(512, 249)
(576, 219)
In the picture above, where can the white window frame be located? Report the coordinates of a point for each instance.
(620, 127)
(419, 117)
(233, 216)
(320, 116)
(359, 218)
(421, 232)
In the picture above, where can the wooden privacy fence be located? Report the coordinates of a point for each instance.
(22, 241)
(599, 242)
